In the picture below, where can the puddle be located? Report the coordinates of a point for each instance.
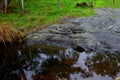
(41, 62)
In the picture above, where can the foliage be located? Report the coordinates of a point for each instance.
(41, 13)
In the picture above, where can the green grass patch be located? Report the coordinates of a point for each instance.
(41, 13)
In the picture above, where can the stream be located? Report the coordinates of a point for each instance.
(40, 62)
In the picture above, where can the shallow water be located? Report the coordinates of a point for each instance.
(41, 62)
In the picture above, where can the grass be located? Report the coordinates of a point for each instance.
(107, 3)
(41, 13)
(8, 34)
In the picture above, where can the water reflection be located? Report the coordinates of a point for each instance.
(72, 65)
(41, 62)
(10, 64)
(104, 64)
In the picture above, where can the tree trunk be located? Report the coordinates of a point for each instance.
(6, 6)
(1, 6)
(113, 1)
(21, 4)
(59, 5)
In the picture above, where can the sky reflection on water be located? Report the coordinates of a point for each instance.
(51, 63)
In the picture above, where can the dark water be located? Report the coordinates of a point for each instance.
(41, 62)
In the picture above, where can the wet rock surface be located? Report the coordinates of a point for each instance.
(100, 32)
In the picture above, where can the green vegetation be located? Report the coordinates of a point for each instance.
(41, 13)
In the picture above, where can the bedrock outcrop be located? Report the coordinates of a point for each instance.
(100, 32)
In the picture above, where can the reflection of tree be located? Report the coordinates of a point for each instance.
(52, 68)
(31, 51)
(58, 63)
(104, 64)
(11, 68)
(60, 67)
(57, 68)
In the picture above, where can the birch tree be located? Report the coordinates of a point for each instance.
(5, 3)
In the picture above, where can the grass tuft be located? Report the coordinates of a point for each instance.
(8, 34)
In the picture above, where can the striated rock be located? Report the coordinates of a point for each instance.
(100, 32)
